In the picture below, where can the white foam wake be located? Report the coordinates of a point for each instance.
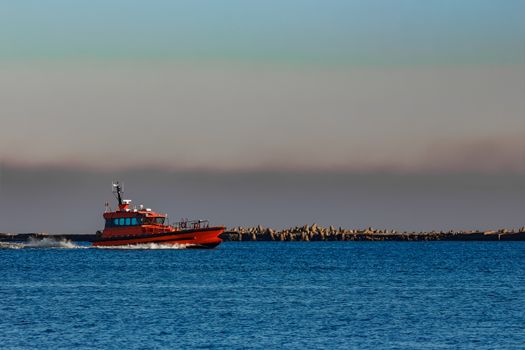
(152, 246)
(50, 242)
(53, 243)
(39, 243)
(10, 245)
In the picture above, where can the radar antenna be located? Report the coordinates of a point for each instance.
(118, 189)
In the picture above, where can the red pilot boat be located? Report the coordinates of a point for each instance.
(132, 226)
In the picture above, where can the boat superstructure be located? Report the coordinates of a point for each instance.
(131, 225)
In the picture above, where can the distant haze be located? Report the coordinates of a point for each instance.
(337, 111)
(255, 117)
(66, 200)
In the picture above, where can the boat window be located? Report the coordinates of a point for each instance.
(157, 220)
(130, 221)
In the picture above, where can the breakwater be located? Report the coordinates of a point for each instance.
(317, 233)
(314, 233)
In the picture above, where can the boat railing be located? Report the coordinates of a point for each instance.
(191, 224)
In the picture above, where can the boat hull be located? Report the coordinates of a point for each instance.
(205, 238)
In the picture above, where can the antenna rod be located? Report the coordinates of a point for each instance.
(118, 190)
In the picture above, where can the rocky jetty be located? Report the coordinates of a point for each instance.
(318, 233)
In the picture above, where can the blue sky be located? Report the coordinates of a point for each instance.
(397, 85)
(350, 32)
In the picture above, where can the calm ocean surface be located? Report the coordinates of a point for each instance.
(362, 295)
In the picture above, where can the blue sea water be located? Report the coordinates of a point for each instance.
(265, 295)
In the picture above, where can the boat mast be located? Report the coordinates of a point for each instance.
(117, 190)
